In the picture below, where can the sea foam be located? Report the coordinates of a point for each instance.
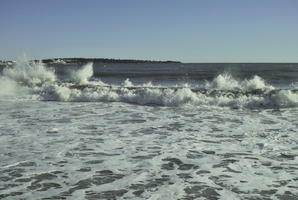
(228, 82)
(223, 91)
(29, 73)
(83, 75)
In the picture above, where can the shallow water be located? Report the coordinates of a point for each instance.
(120, 149)
(53, 150)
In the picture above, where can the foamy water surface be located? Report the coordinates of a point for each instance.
(82, 137)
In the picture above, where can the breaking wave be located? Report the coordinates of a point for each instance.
(83, 75)
(36, 79)
(227, 82)
(29, 73)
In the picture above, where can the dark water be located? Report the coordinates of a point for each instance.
(273, 73)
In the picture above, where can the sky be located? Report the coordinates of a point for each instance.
(181, 30)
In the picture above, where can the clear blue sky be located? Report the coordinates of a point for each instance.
(185, 30)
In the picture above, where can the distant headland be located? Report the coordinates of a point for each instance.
(94, 60)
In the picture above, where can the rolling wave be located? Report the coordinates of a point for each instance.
(35, 79)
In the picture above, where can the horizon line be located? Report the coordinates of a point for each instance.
(166, 60)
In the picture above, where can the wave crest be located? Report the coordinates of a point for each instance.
(228, 82)
(223, 91)
(83, 75)
(29, 73)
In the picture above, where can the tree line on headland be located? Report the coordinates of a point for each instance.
(86, 60)
(100, 60)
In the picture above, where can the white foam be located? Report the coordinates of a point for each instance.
(171, 97)
(224, 82)
(227, 82)
(83, 75)
(256, 83)
(286, 98)
(29, 73)
(58, 93)
(35, 78)
(10, 87)
(108, 133)
(127, 83)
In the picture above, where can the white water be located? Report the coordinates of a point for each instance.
(227, 82)
(234, 154)
(83, 75)
(108, 145)
(37, 80)
(29, 73)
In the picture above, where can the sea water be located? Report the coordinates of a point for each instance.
(149, 131)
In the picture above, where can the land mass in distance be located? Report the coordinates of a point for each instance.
(86, 60)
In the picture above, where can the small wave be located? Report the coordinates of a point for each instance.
(127, 83)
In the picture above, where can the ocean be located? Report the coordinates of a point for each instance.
(149, 131)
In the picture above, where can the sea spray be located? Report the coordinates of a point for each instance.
(223, 82)
(127, 83)
(24, 79)
(83, 75)
(256, 83)
(56, 93)
(228, 82)
(253, 95)
(286, 98)
(10, 88)
(29, 73)
(223, 91)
